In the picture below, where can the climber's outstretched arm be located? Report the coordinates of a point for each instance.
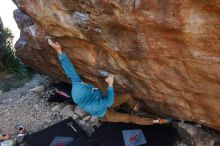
(65, 62)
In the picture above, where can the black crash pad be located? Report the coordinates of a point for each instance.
(108, 134)
(46, 136)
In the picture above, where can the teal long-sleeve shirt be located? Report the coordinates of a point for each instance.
(87, 96)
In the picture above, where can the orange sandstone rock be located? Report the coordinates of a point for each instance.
(166, 53)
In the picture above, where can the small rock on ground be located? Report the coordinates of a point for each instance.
(39, 89)
(68, 110)
(58, 107)
(86, 118)
(79, 111)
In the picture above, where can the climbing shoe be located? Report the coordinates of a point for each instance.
(165, 121)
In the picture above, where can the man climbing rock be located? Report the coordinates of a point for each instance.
(91, 99)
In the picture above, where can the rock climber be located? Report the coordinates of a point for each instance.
(90, 98)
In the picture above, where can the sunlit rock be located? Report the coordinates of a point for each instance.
(165, 53)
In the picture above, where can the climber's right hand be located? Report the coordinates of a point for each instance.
(110, 80)
(56, 46)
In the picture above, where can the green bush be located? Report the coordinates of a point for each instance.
(12, 62)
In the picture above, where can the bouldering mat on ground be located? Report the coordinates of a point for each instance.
(62, 129)
(108, 134)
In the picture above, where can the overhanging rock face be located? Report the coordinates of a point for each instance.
(166, 53)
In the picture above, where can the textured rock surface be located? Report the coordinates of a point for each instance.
(165, 53)
(194, 136)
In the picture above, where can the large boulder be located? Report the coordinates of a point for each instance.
(165, 53)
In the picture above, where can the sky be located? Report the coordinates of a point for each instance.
(6, 13)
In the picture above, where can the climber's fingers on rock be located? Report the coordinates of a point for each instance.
(50, 42)
(111, 76)
(53, 44)
(57, 44)
(110, 79)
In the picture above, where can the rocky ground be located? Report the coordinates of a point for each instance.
(28, 106)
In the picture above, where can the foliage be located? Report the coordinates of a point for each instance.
(12, 62)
